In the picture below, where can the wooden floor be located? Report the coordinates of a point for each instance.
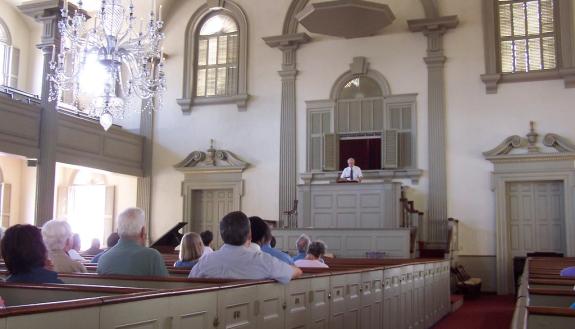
(487, 312)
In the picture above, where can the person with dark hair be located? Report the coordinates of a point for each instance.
(207, 237)
(273, 242)
(25, 256)
(234, 260)
(262, 236)
(110, 242)
(315, 252)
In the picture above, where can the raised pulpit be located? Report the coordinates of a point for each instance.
(349, 205)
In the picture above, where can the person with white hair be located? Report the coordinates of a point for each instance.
(57, 236)
(302, 245)
(130, 255)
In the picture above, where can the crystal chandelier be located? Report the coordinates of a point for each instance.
(130, 61)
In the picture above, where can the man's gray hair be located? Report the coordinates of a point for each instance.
(131, 222)
(55, 234)
(302, 243)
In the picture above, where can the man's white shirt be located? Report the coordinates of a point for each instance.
(346, 174)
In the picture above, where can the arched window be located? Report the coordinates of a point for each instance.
(360, 87)
(216, 57)
(364, 120)
(9, 58)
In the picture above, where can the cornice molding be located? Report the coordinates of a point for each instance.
(286, 40)
(433, 24)
(563, 149)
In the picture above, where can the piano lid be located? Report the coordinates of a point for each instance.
(170, 240)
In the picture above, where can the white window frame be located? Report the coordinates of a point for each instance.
(189, 100)
(564, 43)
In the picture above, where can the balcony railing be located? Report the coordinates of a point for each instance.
(19, 95)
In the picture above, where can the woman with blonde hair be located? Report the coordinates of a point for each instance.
(191, 249)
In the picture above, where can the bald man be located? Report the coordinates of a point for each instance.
(352, 173)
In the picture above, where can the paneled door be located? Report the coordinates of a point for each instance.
(536, 217)
(209, 206)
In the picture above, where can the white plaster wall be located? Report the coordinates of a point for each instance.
(477, 122)
(22, 181)
(253, 135)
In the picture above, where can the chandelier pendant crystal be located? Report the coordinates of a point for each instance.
(130, 61)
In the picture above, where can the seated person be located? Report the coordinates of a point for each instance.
(57, 235)
(351, 173)
(207, 237)
(262, 236)
(130, 256)
(74, 252)
(302, 245)
(25, 256)
(235, 261)
(110, 242)
(568, 271)
(191, 249)
(314, 255)
(94, 248)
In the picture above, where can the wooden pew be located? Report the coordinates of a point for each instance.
(403, 295)
(15, 294)
(544, 296)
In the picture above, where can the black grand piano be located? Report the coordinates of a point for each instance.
(170, 240)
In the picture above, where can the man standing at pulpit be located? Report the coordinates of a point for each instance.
(352, 172)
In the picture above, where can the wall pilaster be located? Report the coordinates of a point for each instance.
(434, 29)
(46, 13)
(288, 44)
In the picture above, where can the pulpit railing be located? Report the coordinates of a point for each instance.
(411, 218)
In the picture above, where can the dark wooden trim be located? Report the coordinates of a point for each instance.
(546, 310)
(553, 282)
(75, 287)
(550, 292)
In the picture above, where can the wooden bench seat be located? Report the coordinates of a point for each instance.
(15, 294)
(412, 295)
(540, 317)
(544, 296)
(140, 282)
(551, 297)
(552, 284)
